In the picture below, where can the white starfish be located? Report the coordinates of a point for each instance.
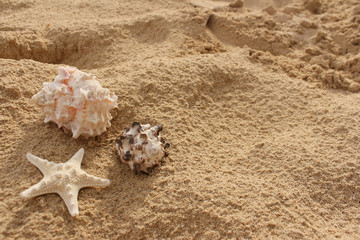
(65, 179)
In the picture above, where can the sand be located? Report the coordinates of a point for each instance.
(260, 104)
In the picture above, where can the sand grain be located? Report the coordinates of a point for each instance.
(259, 102)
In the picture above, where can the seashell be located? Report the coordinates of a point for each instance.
(142, 147)
(76, 102)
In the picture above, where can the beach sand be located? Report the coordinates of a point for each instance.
(260, 104)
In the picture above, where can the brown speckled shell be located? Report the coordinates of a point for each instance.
(142, 147)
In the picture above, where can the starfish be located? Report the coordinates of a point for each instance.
(65, 179)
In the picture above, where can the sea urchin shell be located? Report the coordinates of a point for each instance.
(142, 147)
(76, 102)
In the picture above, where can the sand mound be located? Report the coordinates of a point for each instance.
(258, 102)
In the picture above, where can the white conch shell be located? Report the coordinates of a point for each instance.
(76, 101)
(142, 147)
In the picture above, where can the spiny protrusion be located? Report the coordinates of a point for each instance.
(127, 156)
(67, 188)
(82, 106)
(72, 172)
(158, 129)
(58, 175)
(59, 166)
(43, 184)
(141, 147)
(134, 124)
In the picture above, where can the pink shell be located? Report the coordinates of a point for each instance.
(76, 102)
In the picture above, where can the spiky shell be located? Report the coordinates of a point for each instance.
(141, 147)
(76, 102)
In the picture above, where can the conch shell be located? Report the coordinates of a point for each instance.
(76, 102)
(142, 147)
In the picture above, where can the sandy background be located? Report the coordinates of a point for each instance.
(259, 103)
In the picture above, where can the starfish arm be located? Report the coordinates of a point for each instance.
(42, 164)
(88, 180)
(70, 197)
(77, 158)
(38, 189)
